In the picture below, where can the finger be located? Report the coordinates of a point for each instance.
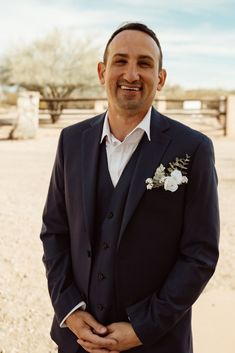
(93, 348)
(88, 346)
(96, 341)
(104, 342)
(102, 350)
(98, 333)
(99, 328)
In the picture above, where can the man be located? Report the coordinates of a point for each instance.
(130, 226)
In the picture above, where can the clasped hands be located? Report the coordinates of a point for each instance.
(96, 338)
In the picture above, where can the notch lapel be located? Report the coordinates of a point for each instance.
(149, 159)
(90, 154)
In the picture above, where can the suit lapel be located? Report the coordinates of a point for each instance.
(149, 159)
(90, 154)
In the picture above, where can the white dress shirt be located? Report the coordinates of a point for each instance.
(118, 155)
(120, 152)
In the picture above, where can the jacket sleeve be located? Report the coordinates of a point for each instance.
(56, 243)
(155, 315)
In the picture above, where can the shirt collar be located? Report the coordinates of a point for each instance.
(143, 125)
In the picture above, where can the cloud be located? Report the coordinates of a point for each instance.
(201, 42)
(202, 46)
(29, 20)
(180, 5)
(200, 57)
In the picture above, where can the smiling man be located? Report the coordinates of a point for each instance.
(130, 227)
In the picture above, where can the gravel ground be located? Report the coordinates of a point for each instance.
(25, 167)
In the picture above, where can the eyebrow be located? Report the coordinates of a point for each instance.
(139, 57)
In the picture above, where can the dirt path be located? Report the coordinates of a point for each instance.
(25, 311)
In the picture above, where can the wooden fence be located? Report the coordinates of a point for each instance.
(207, 115)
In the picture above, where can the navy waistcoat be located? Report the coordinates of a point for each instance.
(110, 203)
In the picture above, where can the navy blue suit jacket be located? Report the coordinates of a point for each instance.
(168, 242)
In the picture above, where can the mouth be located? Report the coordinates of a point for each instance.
(130, 88)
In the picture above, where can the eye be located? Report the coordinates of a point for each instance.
(145, 64)
(120, 61)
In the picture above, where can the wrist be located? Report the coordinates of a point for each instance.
(74, 315)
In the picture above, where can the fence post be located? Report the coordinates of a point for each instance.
(100, 106)
(26, 125)
(161, 104)
(222, 113)
(230, 116)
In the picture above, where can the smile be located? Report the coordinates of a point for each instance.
(130, 88)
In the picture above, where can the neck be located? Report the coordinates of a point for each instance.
(122, 125)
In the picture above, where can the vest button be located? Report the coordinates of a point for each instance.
(101, 276)
(88, 253)
(110, 215)
(100, 307)
(105, 246)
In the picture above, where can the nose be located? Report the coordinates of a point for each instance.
(131, 73)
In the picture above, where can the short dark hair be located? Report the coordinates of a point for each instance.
(136, 26)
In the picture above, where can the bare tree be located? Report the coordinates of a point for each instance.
(54, 66)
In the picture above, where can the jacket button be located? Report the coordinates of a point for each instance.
(101, 276)
(110, 215)
(100, 307)
(89, 253)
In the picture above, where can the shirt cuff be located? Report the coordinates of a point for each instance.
(81, 305)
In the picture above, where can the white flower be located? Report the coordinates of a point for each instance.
(162, 179)
(170, 184)
(177, 175)
(184, 180)
(149, 181)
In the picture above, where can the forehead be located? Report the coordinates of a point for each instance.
(133, 42)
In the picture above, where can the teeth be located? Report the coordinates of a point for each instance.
(130, 88)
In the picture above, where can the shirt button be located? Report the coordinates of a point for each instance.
(101, 276)
(105, 246)
(110, 215)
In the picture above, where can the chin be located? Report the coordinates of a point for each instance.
(130, 105)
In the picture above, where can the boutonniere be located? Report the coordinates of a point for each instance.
(171, 177)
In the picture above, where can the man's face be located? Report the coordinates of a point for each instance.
(131, 74)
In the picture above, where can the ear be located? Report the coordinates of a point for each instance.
(101, 71)
(161, 79)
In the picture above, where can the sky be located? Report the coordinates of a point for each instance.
(197, 37)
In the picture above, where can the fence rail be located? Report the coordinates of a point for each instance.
(205, 114)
